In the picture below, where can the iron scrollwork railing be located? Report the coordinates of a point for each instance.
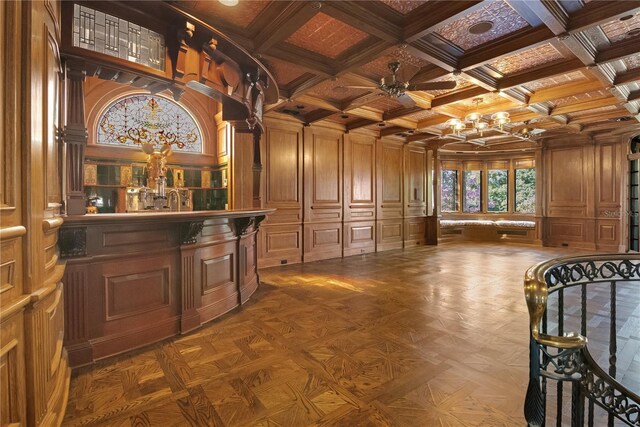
(564, 358)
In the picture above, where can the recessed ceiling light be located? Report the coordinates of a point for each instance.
(626, 17)
(229, 2)
(344, 116)
(633, 32)
(480, 27)
(381, 124)
(300, 107)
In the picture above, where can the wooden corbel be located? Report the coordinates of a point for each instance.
(183, 35)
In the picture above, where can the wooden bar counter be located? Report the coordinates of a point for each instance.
(136, 278)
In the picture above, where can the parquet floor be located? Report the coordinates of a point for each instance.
(431, 336)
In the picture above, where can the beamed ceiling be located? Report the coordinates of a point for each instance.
(558, 66)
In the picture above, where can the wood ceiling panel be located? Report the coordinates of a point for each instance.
(573, 77)
(530, 58)
(241, 15)
(422, 115)
(326, 36)
(504, 19)
(379, 67)
(284, 72)
(594, 111)
(618, 30)
(404, 6)
(335, 90)
(384, 103)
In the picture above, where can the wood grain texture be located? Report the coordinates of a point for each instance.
(392, 339)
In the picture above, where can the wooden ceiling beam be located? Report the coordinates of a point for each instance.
(316, 116)
(563, 91)
(433, 54)
(318, 102)
(619, 50)
(432, 121)
(438, 13)
(391, 130)
(284, 20)
(627, 77)
(505, 46)
(468, 93)
(585, 105)
(360, 101)
(303, 58)
(605, 115)
(360, 123)
(535, 13)
(359, 55)
(363, 16)
(400, 112)
(633, 96)
(427, 73)
(305, 86)
(600, 12)
(540, 73)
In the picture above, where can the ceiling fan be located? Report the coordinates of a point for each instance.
(398, 89)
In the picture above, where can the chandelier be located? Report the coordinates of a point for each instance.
(476, 121)
(152, 128)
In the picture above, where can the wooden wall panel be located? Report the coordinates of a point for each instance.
(359, 178)
(359, 237)
(415, 231)
(280, 236)
(389, 234)
(389, 178)
(415, 173)
(322, 241)
(323, 175)
(12, 371)
(218, 280)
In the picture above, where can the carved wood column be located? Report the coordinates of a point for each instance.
(75, 138)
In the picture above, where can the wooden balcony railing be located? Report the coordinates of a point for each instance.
(564, 295)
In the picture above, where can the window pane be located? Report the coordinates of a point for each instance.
(449, 193)
(526, 190)
(497, 190)
(471, 191)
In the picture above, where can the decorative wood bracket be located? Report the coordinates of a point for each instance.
(189, 232)
(241, 225)
(72, 242)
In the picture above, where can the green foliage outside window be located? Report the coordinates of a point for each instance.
(497, 190)
(526, 190)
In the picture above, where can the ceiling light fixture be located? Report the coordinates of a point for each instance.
(229, 2)
(476, 120)
(480, 27)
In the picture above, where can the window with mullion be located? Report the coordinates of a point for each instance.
(449, 191)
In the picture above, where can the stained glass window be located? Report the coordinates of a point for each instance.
(449, 191)
(104, 33)
(144, 119)
(471, 184)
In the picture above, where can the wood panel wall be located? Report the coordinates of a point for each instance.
(360, 194)
(280, 240)
(584, 193)
(34, 373)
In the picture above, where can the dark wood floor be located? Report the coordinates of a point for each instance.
(431, 336)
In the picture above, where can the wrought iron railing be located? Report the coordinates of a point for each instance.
(595, 397)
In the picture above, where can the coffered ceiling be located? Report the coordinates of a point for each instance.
(557, 66)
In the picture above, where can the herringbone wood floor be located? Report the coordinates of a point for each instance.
(431, 336)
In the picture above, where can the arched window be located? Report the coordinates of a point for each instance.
(136, 120)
